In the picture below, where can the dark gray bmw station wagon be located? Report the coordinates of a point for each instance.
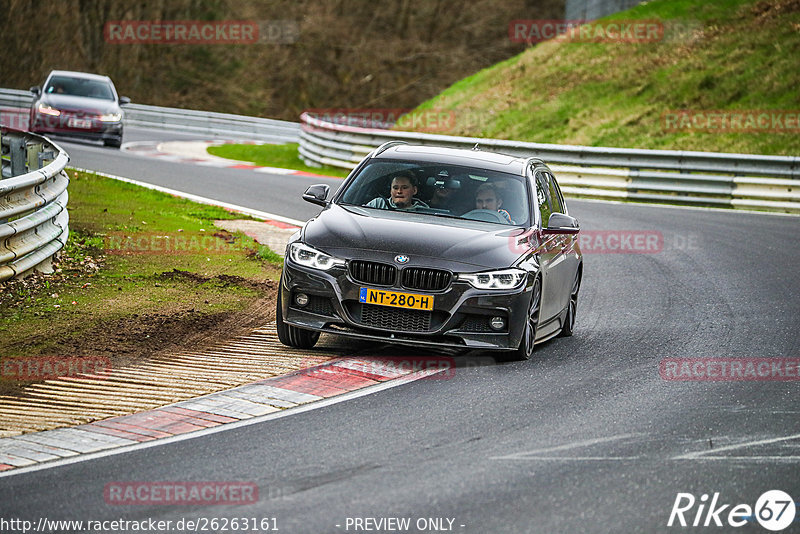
(435, 246)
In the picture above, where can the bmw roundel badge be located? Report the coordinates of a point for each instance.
(401, 259)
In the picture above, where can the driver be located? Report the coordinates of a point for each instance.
(404, 187)
(488, 198)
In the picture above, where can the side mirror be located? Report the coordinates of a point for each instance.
(558, 223)
(124, 100)
(317, 194)
(36, 90)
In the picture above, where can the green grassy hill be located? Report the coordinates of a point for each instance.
(715, 55)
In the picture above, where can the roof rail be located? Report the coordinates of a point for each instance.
(388, 144)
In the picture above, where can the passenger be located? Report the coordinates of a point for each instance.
(488, 198)
(442, 196)
(404, 187)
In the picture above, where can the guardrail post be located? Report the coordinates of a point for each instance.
(46, 266)
(46, 157)
(17, 155)
(33, 159)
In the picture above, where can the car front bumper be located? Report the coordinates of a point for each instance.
(460, 318)
(98, 131)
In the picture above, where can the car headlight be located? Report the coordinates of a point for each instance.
(505, 279)
(47, 110)
(110, 117)
(311, 257)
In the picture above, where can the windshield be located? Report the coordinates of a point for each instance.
(460, 192)
(79, 87)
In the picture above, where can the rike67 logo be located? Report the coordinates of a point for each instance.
(774, 510)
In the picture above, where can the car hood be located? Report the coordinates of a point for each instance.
(85, 104)
(431, 241)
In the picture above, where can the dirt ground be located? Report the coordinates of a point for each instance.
(177, 326)
(137, 338)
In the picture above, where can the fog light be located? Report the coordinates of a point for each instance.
(301, 299)
(497, 323)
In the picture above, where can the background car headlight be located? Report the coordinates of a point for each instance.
(47, 110)
(505, 279)
(111, 117)
(311, 257)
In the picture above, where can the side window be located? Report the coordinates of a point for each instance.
(543, 198)
(555, 194)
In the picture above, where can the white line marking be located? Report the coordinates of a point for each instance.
(202, 200)
(572, 458)
(754, 459)
(717, 450)
(586, 443)
(743, 458)
(227, 426)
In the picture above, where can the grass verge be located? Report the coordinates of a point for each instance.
(726, 55)
(141, 269)
(283, 156)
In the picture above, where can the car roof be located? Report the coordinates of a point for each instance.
(455, 156)
(76, 74)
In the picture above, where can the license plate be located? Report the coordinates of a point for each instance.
(79, 123)
(396, 299)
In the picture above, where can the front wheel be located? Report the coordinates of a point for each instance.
(525, 350)
(114, 142)
(572, 308)
(291, 335)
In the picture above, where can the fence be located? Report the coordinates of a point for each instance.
(33, 203)
(681, 177)
(16, 103)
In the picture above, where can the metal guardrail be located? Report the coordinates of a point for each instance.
(34, 223)
(681, 177)
(742, 181)
(181, 120)
(212, 123)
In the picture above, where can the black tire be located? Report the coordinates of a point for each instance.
(525, 350)
(572, 308)
(292, 336)
(116, 143)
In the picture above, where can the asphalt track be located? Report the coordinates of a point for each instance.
(586, 437)
(272, 193)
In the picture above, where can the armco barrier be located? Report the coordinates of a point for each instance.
(16, 101)
(680, 177)
(33, 203)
